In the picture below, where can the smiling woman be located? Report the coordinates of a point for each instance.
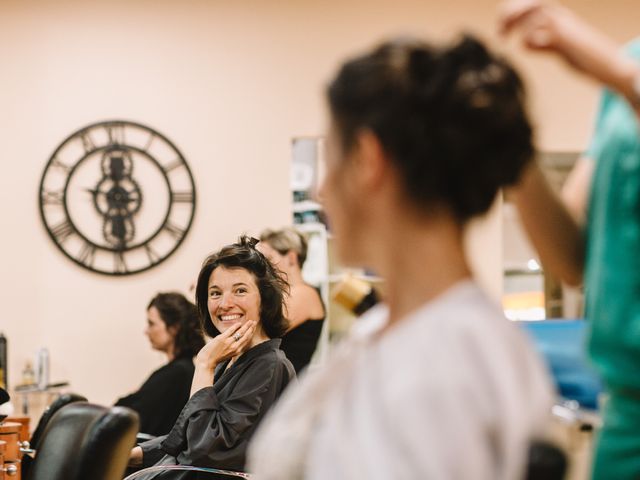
(233, 299)
(240, 301)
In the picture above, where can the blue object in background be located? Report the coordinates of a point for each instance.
(562, 344)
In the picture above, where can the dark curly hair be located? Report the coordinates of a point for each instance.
(271, 285)
(178, 312)
(451, 119)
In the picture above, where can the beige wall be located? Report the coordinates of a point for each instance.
(230, 82)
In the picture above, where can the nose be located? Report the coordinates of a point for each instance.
(226, 302)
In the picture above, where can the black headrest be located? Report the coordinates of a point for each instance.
(546, 462)
(4, 396)
(84, 441)
(57, 404)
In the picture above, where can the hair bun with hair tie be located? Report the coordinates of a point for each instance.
(247, 241)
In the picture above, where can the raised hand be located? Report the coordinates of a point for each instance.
(553, 28)
(230, 343)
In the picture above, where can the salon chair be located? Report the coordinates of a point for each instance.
(83, 441)
(561, 343)
(4, 398)
(546, 462)
(215, 473)
(50, 411)
(29, 448)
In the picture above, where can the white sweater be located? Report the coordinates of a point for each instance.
(453, 391)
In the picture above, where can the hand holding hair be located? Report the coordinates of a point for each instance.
(550, 27)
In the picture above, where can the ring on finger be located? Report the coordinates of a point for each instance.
(237, 337)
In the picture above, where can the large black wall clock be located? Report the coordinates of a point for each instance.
(117, 197)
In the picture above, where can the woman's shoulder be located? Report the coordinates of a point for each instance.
(265, 363)
(308, 297)
(184, 364)
(177, 368)
(465, 327)
(304, 290)
(278, 360)
(266, 354)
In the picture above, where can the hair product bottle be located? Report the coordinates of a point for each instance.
(43, 368)
(4, 382)
(356, 295)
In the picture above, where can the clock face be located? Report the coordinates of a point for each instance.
(117, 197)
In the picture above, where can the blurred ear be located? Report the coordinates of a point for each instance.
(173, 330)
(291, 258)
(370, 161)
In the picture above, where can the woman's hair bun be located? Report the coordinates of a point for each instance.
(452, 118)
(247, 241)
(469, 52)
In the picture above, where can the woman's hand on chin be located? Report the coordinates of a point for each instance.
(232, 342)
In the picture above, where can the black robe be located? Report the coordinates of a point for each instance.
(162, 396)
(215, 426)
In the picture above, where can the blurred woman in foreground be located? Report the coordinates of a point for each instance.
(436, 383)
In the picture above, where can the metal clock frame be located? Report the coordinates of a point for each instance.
(61, 231)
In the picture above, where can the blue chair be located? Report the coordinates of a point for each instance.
(562, 343)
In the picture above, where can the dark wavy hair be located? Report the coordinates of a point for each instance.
(271, 285)
(178, 312)
(452, 119)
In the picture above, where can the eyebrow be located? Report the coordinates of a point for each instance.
(234, 285)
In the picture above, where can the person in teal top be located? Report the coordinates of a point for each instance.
(605, 252)
(612, 275)
(612, 280)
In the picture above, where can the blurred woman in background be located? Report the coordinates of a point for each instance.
(287, 250)
(173, 328)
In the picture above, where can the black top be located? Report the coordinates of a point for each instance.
(162, 397)
(214, 428)
(299, 343)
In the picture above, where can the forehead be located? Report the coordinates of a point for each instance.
(153, 314)
(227, 277)
(333, 144)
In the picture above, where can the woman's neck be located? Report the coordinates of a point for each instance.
(170, 353)
(294, 277)
(420, 258)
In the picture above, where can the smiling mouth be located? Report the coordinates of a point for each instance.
(230, 318)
